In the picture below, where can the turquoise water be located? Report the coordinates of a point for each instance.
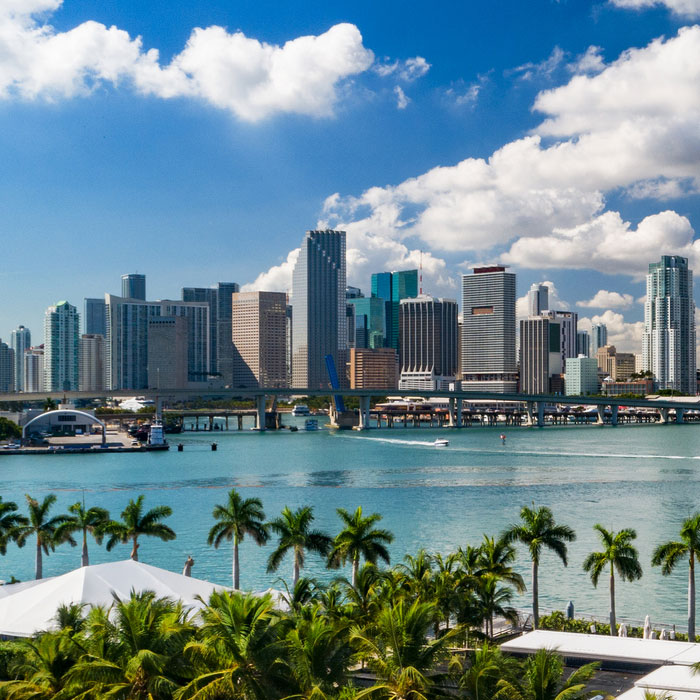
(645, 477)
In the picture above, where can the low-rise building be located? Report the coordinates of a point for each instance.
(637, 386)
(373, 368)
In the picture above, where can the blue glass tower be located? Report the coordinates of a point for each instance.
(392, 287)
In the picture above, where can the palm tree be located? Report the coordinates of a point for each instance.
(667, 555)
(538, 531)
(357, 539)
(237, 519)
(492, 600)
(10, 522)
(479, 676)
(295, 535)
(44, 528)
(622, 557)
(84, 520)
(136, 523)
(496, 557)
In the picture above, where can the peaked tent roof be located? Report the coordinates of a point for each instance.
(32, 608)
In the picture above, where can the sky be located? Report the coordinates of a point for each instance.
(196, 142)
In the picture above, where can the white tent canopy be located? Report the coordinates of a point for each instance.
(26, 609)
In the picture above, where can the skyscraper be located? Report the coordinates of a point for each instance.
(259, 330)
(134, 286)
(669, 325)
(488, 331)
(7, 368)
(568, 327)
(369, 316)
(428, 342)
(34, 369)
(583, 344)
(20, 341)
(318, 299)
(540, 354)
(537, 299)
(167, 352)
(599, 337)
(92, 362)
(94, 318)
(392, 287)
(61, 348)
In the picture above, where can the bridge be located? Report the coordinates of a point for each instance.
(534, 403)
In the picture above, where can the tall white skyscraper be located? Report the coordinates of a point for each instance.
(61, 347)
(669, 325)
(20, 342)
(319, 318)
(33, 373)
(537, 299)
(488, 331)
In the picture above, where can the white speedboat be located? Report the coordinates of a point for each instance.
(441, 442)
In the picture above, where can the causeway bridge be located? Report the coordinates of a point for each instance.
(533, 404)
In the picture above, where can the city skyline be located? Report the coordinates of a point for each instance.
(474, 140)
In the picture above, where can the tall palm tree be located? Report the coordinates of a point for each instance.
(238, 518)
(295, 535)
(496, 558)
(136, 523)
(667, 555)
(359, 538)
(619, 553)
(538, 531)
(10, 522)
(44, 528)
(84, 520)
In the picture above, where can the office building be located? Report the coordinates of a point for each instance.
(134, 286)
(581, 376)
(568, 328)
(599, 337)
(540, 355)
(289, 316)
(583, 344)
(259, 330)
(373, 369)
(95, 317)
(641, 387)
(353, 293)
(319, 319)
(92, 362)
(167, 352)
(7, 368)
(33, 370)
(20, 342)
(61, 348)
(488, 331)
(392, 287)
(537, 299)
(638, 362)
(369, 317)
(428, 342)
(619, 366)
(669, 325)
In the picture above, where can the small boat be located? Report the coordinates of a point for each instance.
(441, 442)
(310, 424)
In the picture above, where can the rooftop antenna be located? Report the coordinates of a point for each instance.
(420, 278)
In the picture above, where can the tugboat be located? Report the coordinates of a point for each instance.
(156, 438)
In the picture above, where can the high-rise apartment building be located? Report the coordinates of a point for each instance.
(540, 354)
(167, 352)
(134, 286)
(20, 342)
(583, 344)
(259, 329)
(537, 299)
(392, 287)
(669, 325)
(92, 362)
(61, 348)
(599, 337)
(373, 369)
(488, 331)
(7, 368)
(318, 298)
(428, 342)
(95, 317)
(33, 370)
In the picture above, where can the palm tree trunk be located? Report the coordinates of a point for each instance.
(535, 597)
(84, 559)
(613, 630)
(355, 569)
(236, 581)
(135, 548)
(39, 568)
(295, 573)
(691, 598)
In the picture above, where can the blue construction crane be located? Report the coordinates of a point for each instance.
(335, 384)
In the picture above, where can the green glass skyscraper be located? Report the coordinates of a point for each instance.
(392, 287)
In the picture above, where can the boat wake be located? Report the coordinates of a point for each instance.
(394, 441)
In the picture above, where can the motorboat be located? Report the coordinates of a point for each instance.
(310, 424)
(301, 410)
(441, 442)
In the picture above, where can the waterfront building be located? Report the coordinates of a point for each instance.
(7, 368)
(61, 347)
(369, 316)
(568, 329)
(95, 317)
(92, 362)
(134, 286)
(33, 370)
(583, 344)
(669, 325)
(167, 352)
(581, 377)
(373, 368)
(599, 337)
(537, 299)
(319, 319)
(637, 386)
(259, 329)
(616, 365)
(540, 355)
(392, 287)
(488, 331)
(428, 343)
(20, 342)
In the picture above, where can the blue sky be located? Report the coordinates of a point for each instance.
(560, 138)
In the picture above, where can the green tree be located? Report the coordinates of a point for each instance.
(296, 536)
(49, 404)
(9, 429)
(90, 520)
(359, 539)
(538, 531)
(668, 554)
(136, 523)
(10, 524)
(618, 553)
(238, 518)
(479, 676)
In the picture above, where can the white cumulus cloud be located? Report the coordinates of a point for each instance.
(685, 8)
(603, 299)
(409, 70)
(625, 336)
(554, 301)
(402, 99)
